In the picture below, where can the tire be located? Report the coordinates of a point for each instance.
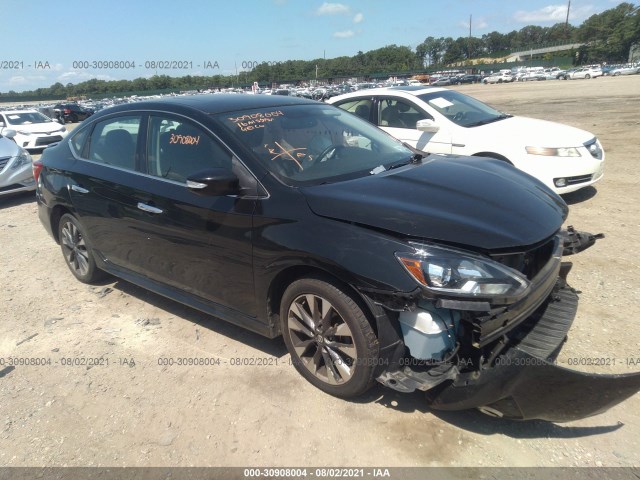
(587, 76)
(330, 340)
(74, 118)
(77, 254)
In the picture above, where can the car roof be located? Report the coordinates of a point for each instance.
(408, 90)
(30, 110)
(224, 102)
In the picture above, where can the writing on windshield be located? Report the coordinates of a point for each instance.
(251, 121)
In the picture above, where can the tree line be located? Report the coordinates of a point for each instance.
(607, 36)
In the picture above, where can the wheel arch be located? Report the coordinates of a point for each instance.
(56, 214)
(493, 155)
(290, 274)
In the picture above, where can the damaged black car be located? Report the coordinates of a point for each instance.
(374, 262)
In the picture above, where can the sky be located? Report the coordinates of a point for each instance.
(72, 41)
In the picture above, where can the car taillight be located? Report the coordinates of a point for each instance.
(67, 111)
(37, 168)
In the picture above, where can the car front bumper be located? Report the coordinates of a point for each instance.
(38, 141)
(515, 373)
(578, 172)
(527, 382)
(16, 180)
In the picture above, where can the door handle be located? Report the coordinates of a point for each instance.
(79, 189)
(149, 208)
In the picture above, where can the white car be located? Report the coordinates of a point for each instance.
(34, 131)
(498, 78)
(438, 120)
(16, 174)
(586, 72)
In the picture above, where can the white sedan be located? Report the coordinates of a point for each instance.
(438, 120)
(34, 131)
(586, 72)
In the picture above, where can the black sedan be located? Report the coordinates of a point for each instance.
(375, 262)
(72, 112)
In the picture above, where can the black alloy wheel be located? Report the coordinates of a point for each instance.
(329, 337)
(77, 253)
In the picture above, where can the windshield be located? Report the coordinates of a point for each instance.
(462, 109)
(27, 118)
(314, 143)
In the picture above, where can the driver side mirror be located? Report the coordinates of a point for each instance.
(427, 125)
(9, 133)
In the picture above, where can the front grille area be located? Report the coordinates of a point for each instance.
(579, 179)
(47, 140)
(529, 262)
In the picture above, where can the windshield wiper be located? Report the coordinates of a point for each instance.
(415, 158)
(489, 120)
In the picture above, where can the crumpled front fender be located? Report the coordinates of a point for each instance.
(523, 387)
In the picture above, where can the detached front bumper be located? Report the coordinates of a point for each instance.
(526, 382)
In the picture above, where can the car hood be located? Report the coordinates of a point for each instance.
(531, 132)
(53, 127)
(481, 203)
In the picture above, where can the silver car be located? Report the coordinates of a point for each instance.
(16, 173)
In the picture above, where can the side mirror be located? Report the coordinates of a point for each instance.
(9, 133)
(215, 182)
(428, 126)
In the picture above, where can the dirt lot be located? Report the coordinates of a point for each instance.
(135, 412)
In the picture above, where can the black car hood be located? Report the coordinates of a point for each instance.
(486, 204)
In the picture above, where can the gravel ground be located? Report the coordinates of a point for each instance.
(130, 410)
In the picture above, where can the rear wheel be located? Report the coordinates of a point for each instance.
(77, 254)
(587, 76)
(329, 337)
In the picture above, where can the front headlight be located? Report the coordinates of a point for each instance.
(444, 270)
(554, 152)
(20, 160)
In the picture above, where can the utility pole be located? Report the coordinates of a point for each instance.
(469, 42)
(566, 22)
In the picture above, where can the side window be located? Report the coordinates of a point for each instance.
(399, 114)
(177, 149)
(78, 140)
(361, 107)
(113, 141)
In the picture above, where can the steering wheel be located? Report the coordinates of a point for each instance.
(459, 116)
(328, 154)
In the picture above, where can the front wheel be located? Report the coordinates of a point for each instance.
(329, 337)
(77, 254)
(587, 76)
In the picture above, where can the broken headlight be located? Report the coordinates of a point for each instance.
(454, 272)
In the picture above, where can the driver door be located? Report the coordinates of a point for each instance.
(398, 117)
